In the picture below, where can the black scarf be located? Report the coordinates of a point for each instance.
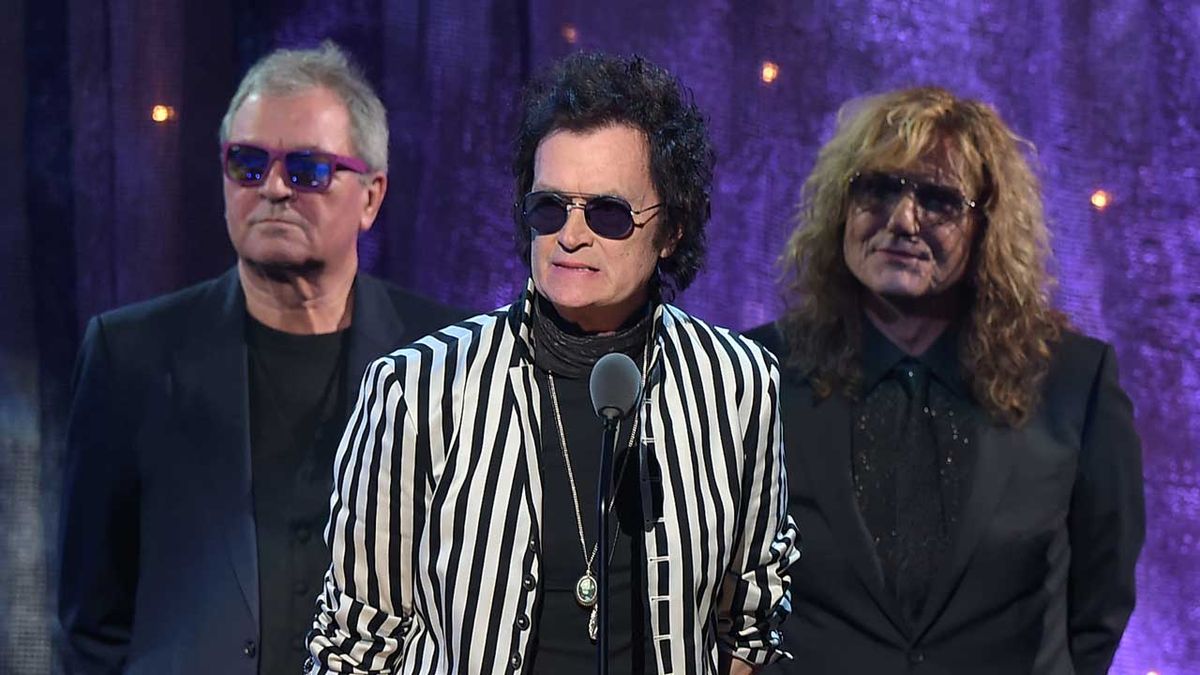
(565, 349)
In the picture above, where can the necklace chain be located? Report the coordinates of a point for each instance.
(562, 438)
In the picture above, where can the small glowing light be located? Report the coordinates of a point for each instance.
(161, 113)
(570, 33)
(1101, 200)
(770, 71)
(1153, 672)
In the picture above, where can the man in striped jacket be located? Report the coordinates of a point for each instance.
(461, 529)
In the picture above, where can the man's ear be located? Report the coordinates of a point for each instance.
(376, 189)
(667, 248)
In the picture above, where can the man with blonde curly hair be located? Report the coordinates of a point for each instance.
(964, 466)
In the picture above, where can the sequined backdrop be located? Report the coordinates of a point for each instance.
(108, 207)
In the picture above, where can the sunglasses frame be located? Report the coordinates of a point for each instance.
(568, 201)
(914, 186)
(336, 162)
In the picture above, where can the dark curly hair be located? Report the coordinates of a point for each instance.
(588, 91)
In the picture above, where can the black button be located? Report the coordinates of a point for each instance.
(515, 662)
(300, 587)
(529, 583)
(916, 657)
(532, 545)
(302, 534)
(522, 622)
(250, 649)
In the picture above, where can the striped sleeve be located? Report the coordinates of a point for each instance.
(755, 596)
(365, 607)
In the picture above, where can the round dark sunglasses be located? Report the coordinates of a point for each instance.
(608, 216)
(936, 204)
(305, 170)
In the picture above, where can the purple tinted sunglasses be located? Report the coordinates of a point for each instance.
(546, 212)
(306, 170)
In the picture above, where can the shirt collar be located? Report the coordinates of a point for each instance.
(880, 356)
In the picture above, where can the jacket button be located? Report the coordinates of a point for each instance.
(522, 622)
(529, 583)
(515, 662)
(916, 657)
(250, 649)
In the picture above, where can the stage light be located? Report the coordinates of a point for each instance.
(570, 33)
(770, 71)
(1153, 672)
(1101, 200)
(161, 113)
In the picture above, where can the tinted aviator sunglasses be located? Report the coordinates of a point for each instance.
(936, 204)
(608, 216)
(304, 170)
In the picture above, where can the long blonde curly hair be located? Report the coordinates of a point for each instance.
(1010, 330)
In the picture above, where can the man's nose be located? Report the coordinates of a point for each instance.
(575, 232)
(903, 217)
(275, 185)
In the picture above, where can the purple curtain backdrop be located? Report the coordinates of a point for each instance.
(110, 208)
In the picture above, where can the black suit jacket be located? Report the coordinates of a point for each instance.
(159, 568)
(1041, 574)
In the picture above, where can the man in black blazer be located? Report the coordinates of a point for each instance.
(963, 466)
(202, 432)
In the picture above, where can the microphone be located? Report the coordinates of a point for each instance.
(615, 388)
(615, 385)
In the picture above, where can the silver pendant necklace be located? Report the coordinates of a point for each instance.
(586, 588)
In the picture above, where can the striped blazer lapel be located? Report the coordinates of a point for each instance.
(674, 561)
(659, 591)
(528, 397)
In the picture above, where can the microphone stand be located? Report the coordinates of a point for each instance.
(607, 450)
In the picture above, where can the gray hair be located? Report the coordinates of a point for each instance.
(291, 71)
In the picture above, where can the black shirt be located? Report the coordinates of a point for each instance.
(297, 412)
(912, 455)
(562, 644)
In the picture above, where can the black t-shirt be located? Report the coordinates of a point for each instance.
(561, 642)
(297, 413)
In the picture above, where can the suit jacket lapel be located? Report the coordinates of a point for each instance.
(993, 464)
(523, 387)
(376, 328)
(213, 408)
(826, 453)
(520, 380)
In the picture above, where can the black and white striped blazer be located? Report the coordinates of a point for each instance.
(435, 516)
